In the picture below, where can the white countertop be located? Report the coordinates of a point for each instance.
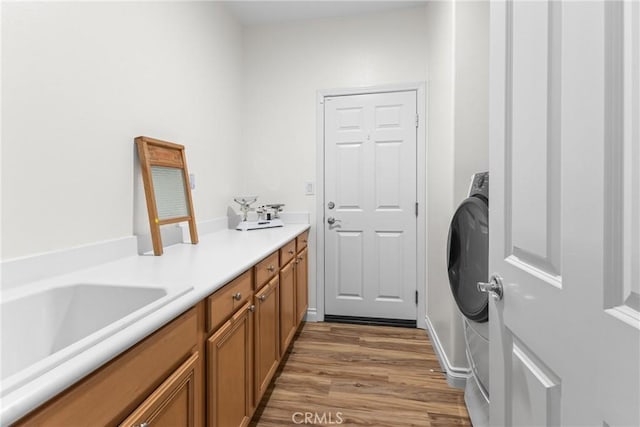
(216, 260)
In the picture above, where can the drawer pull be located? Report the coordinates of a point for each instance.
(262, 298)
(271, 269)
(237, 296)
(143, 425)
(252, 308)
(290, 251)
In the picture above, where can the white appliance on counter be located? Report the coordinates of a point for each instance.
(268, 215)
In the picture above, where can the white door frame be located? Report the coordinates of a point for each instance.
(421, 188)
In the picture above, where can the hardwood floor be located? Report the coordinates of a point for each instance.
(338, 374)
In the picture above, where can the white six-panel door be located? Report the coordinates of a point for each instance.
(370, 180)
(565, 213)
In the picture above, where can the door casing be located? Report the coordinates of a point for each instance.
(421, 186)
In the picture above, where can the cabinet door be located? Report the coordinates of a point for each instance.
(230, 370)
(173, 404)
(302, 285)
(267, 354)
(288, 313)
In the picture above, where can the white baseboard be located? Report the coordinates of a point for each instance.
(456, 376)
(312, 315)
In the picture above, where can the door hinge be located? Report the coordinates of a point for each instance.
(416, 208)
(417, 119)
(416, 297)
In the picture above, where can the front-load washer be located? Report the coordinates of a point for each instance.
(468, 264)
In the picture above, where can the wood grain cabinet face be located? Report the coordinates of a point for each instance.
(302, 240)
(112, 393)
(267, 269)
(230, 371)
(228, 299)
(173, 404)
(302, 285)
(161, 381)
(287, 252)
(288, 311)
(267, 352)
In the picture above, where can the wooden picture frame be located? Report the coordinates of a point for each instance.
(166, 187)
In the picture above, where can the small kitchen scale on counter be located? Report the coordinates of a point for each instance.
(268, 215)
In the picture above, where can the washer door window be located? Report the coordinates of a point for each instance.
(468, 257)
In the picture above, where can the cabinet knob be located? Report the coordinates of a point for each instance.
(262, 298)
(252, 308)
(271, 269)
(291, 251)
(299, 259)
(304, 240)
(237, 296)
(142, 425)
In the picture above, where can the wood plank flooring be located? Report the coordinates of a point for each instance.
(354, 375)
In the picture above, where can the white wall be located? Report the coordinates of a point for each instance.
(80, 81)
(471, 119)
(458, 144)
(286, 64)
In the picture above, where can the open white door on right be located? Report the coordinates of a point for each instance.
(565, 213)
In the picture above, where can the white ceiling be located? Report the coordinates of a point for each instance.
(253, 12)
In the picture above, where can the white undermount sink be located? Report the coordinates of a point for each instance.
(43, 329)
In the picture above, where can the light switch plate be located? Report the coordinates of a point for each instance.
(308, 188)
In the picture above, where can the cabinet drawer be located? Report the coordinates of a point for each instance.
(266, 269)
(302, 240)
(287, 252)
(226, 300)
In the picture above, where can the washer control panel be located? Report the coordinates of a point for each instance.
(480, 184)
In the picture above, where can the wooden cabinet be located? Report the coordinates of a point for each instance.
(267, 269)
(267, 351)
(302, 285)
(244, 327)
(174, 403)
(288, 313)
(230, 371)
(164, 367)
(302, 240)
(225, 301)
(287, 252)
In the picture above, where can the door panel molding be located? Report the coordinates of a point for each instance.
(421, 161)
(532, 209)
(544, 367)
(376, 173)
(622, 158)
(536, 390)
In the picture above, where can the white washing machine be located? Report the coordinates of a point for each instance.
(468, 264)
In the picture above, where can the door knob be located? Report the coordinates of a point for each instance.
(331, 220)
(494, 287)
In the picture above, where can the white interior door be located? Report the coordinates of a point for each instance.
(370, 192)
(564, 213)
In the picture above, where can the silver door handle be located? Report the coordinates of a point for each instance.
(331, 220)
(494, 287)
